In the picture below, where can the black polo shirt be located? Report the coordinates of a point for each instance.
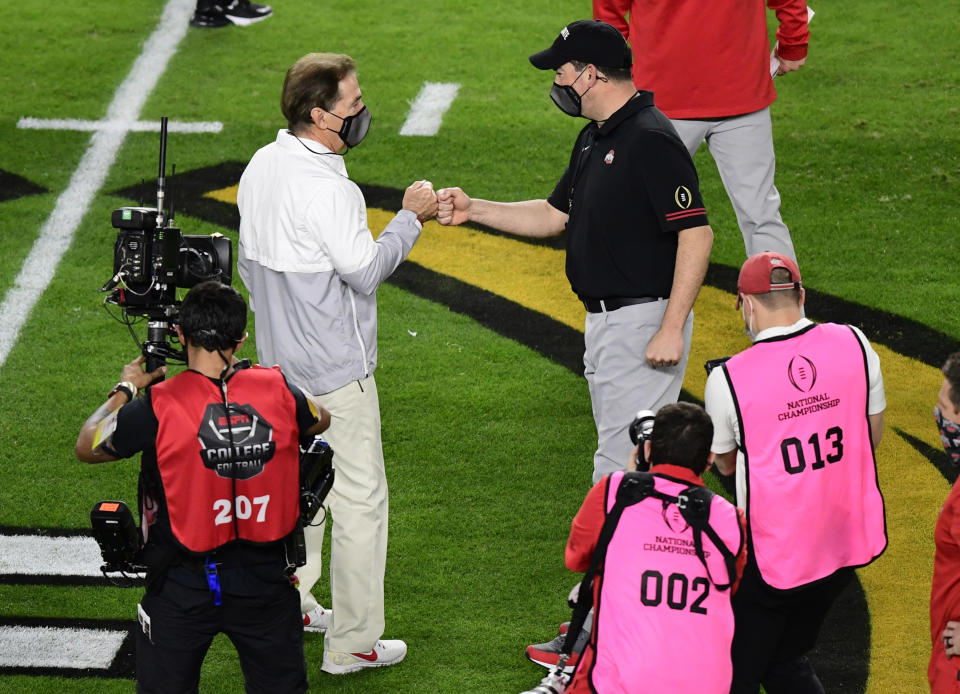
(633, 187)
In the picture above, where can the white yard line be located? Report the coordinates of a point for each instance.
(37, 555)
(59, 647)
(57, 232)
(138, 126)
(426, 113)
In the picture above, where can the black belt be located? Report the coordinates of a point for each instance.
(602, 305)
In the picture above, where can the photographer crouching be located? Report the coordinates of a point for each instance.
(662, 555)
(219, 500)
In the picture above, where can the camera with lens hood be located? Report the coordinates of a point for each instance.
(641, 428)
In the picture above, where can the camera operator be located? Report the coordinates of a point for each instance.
(219, 491)
(656, 601)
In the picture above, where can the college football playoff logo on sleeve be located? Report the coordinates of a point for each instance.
(252, 436)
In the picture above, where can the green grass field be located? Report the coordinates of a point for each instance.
(488, 443)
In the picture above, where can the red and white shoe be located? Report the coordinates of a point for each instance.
(317, 619)
(548, 654)
(384, 653)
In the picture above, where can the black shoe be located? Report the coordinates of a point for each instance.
(244, 12)
(214, 18)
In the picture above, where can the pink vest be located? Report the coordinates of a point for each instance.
(658, 612)
(813, 504)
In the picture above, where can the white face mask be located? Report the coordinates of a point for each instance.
(748, 324)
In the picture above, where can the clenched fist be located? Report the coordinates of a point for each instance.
(421, 200)
(454, 206)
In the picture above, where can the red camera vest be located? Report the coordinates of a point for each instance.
(657, 605)
(813, 501)
(206, 506)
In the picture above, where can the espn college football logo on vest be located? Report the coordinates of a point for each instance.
(253, 444)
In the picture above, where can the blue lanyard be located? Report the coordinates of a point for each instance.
(213, 580)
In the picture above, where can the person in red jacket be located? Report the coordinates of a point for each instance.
(708, 65)
(220, 498)
(944, 670)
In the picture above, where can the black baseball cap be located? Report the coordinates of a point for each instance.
(586, 41)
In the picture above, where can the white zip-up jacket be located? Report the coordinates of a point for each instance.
(311, 264)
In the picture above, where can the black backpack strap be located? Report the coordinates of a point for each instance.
(694, 503)
(634, 488)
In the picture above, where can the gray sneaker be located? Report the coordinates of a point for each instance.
(548, 654)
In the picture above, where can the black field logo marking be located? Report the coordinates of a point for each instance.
(13, 186)
(903, 335)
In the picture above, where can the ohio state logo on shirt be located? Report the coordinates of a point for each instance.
(253, 444)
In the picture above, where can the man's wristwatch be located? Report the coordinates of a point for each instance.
(125, 387)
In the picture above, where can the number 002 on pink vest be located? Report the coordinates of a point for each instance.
(657, 607)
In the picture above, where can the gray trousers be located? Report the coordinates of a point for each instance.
(621, 381)
(742, 148)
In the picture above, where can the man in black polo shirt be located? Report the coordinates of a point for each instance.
(638, 241)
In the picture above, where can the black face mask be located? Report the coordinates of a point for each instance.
(566, 97)
(354, 127)
(949, 436)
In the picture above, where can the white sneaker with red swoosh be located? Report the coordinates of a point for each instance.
(389, 652)
(317, 619)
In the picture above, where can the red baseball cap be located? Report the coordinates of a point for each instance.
(755, 274)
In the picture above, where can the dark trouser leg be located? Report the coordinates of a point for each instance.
(793, 677)
(791, 671)
(759, 622)
(267, 630)
(774, 632)
(181, 629)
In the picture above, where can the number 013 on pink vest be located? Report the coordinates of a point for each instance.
(813, 500)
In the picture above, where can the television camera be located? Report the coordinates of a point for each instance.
(152, 258)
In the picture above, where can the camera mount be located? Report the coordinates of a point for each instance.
(151, 260)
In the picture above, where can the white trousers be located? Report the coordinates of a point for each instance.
(358, 507)
(742, 148)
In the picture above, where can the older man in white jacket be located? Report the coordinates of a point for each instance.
(312, 268)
